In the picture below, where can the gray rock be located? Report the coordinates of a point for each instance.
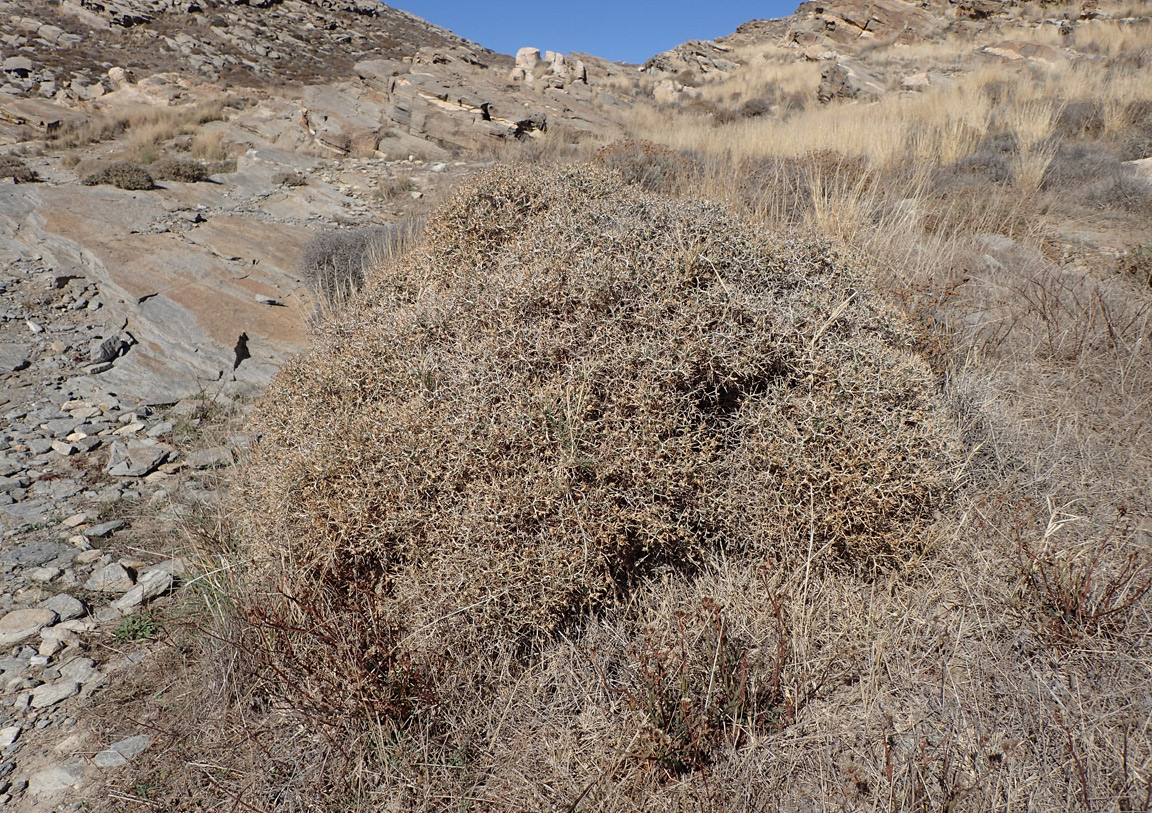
(34, 554)
(120, 753)
(13, 357)
(57, 777)
(8, 735)
(105, 529)
(136, 458)
(211, 458)
(151, 585)
(20, 625)
(39, 445)
(49, 694)
(112, 578)
(107, 350)
(31, 512)
(82, 671)
(19, 65)
(65, 606)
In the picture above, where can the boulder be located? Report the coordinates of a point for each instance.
(527, 59)
(848, 80)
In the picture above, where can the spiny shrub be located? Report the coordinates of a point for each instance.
(333, 261)
(652, 167)
(566, 385)
(179, 169)
(290, 179)
(122, 175)
(17, 170)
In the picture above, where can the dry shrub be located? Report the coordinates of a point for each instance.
(290, 179)
(650, 166)
(566, 387)
(333, 262)
(122, 175)
(179, 169)
(12, 167)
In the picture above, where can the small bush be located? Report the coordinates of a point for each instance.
(290, 179)
(391, 188)
(754, 108)
(333, 261)
(183, 170)
(567, 385)
(122, 175)
(650, 166)
(17, 170)
(1083, 118)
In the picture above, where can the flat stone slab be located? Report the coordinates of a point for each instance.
(35, 554)
(57, 777)
(111, 578)
(30, 512)
(65, 606)
(151, 585)
(136, 458)
(121, 753)
(13, 357)
(49, 694)
(105, 529)
(19, 625)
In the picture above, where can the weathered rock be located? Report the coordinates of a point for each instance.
(13, 357)
(111, 578)
(211, 458)
(847, 80)
(56, 778)
(47, 695)
(20, 625)
(151, 584)
(34, 554)
(82, 671)
(122, 752)
(105, 529)
(65, 606)
(136, 458)
(527, 58)
(17, 65)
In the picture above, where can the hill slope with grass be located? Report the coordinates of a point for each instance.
(764, 427)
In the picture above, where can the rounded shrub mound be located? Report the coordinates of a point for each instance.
(122, 175)
(565, 387)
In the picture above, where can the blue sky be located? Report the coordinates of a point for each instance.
(624, 30)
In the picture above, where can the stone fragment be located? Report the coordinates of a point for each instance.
(211, 458)
(42, 574)
(9, 735)
(33, 554)
(111, 578)
(13, 357)
(151, 585)
(56, 777)
(75, 520)
(121, 753)
(19, 625)
(105, 529)
(47, 695)
(82, 671)
(136, 458)
(65, 606)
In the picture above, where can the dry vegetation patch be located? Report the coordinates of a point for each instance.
(566, 390)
